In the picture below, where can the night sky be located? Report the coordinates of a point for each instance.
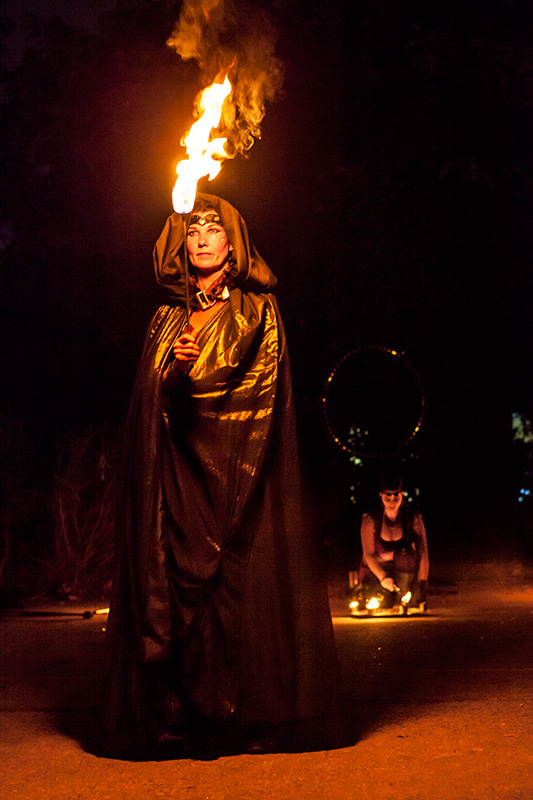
(390, 193)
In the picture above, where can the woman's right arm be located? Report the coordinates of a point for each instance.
(186, 351)
(368, 543)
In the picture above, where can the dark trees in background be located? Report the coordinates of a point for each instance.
(391, 193)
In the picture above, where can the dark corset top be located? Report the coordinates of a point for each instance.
(396, 544)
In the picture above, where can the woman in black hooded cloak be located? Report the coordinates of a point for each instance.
(219, 618)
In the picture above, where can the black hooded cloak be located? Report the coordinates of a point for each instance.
(217, 584)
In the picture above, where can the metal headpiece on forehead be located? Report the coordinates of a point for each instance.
(209, 219)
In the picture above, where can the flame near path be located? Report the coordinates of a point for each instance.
(233, 44)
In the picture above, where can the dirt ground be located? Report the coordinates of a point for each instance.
(440, 709)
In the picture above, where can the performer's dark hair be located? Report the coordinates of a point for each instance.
(202, 205)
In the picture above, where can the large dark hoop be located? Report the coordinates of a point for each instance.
(341, 397)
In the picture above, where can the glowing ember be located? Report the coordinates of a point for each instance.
(205, 155)
(406, 598)
(372, 604)
(354, 604)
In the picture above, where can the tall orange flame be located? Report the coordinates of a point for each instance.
(205, 154)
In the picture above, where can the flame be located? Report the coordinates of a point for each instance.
(205, 155)
(372, 603)
(406, 598)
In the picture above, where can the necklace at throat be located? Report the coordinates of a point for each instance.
(218, 290)
(203, 299)
(391, 523)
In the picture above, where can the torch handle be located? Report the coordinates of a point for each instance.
(185, 218)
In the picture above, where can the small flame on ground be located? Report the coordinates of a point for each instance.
(372, 604)
(204, 155)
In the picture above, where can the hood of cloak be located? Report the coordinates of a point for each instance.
(249, 271)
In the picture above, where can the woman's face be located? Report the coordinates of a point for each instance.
(207, 242)
(391, 502)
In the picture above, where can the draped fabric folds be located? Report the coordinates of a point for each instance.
(218, 575)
